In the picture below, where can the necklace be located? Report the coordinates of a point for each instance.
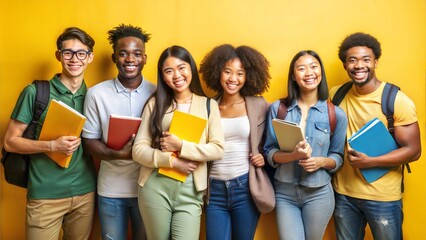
(184, 100)
(232, 104)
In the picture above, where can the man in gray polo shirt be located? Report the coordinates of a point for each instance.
(125, 95)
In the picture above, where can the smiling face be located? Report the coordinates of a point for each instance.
(74, 67)
(307, 73)
(360, 64)
(232, 77)
(130, 58)
(177, 75)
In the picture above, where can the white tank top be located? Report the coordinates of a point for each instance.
(235, 161)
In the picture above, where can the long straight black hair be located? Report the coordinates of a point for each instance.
(293, 90)
(164, 96)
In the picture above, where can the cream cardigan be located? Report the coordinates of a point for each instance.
(210, 147)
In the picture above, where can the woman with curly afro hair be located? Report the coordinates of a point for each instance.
(238, 75)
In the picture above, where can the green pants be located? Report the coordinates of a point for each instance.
(170, 209)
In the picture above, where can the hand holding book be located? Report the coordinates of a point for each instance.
(65, 144)
(360, 160)
(170, 143)
(121, 129)
(126, 151)
(184, 166)
(179, 129)
(303, 150)
(62, 124)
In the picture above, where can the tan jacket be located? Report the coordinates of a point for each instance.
(257, 109)
(210, 147)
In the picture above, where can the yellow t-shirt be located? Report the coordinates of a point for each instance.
(360, 109)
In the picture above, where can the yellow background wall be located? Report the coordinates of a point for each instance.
(278, 28)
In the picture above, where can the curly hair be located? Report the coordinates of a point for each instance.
(254, 63)
(75, 33)
(123, 31)
(359, 39)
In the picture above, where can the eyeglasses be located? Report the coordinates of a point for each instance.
(68, 54)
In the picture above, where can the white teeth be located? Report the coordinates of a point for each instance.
(74, 67)
(179, 83)
(311, 80)
(231, 88)
(360, 74)
(130, 67)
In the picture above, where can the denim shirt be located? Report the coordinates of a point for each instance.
(317, 133)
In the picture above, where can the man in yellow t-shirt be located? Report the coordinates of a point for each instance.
(378, 203)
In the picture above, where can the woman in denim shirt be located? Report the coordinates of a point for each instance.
(304, 195)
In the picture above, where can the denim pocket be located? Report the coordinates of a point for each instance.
(321, 134)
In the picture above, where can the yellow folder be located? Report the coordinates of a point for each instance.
(61, 120)
(187, 127)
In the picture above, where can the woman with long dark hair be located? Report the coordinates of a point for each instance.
(303, 191)
(171, 209)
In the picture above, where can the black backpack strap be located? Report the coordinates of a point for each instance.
(388, 108)
(341, 93)
(388, 104)
(41, 101)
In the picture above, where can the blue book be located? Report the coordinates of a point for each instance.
(373, 139)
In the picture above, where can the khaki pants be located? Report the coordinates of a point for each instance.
(45, 217)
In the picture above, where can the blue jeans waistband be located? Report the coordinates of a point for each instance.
(237, 181)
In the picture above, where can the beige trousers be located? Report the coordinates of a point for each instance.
(46, 217)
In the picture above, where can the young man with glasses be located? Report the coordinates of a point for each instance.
(57, 197)
(124, 95)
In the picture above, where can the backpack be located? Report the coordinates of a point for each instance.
(16, 165)
(388, 107)
(282, 113)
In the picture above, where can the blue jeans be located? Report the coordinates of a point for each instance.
(231, 210)
(114, 215)
(352, 215)
(302, 212)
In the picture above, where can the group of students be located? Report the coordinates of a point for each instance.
(129, 187)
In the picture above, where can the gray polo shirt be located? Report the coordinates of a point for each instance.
(116, 178)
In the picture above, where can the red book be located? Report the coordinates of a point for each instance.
(120, 130)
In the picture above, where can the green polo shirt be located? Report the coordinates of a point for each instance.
(47, 180)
